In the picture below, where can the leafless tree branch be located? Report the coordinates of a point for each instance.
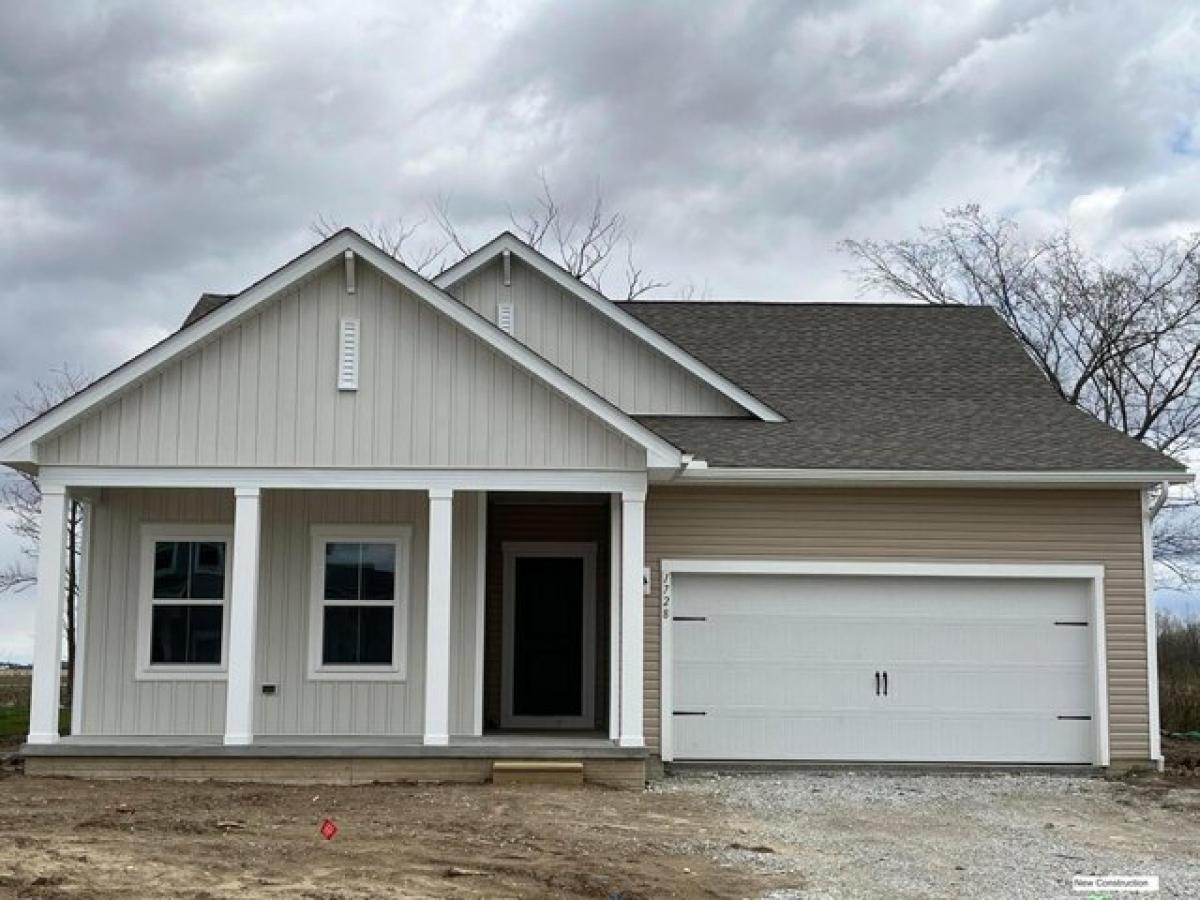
(1120, 340)
(585, 244)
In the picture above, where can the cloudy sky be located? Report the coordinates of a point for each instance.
(149, 152)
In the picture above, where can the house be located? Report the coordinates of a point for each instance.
(355, 524)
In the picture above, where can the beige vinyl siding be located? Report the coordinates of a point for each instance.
(264, 393)
(1069, 526)
(115, 703)
(589, 347)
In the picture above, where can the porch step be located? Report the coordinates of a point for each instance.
(537, 771)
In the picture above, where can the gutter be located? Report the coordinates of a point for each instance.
(698, 471)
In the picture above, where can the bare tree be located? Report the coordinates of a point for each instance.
(21, 496)
(585, 243)
(1120, 339)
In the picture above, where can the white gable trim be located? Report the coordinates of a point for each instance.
(607, 308)
(16, 447)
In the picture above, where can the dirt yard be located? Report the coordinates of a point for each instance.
(63, 838)
(770, 836)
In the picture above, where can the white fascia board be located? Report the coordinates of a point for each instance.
(348, 479)
(946, 478)
(659, 452)
(169, 348)
(610, 310)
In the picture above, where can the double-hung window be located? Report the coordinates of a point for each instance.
(358, 624)
(183, 620)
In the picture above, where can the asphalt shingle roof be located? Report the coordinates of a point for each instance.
(875, 386)
(869, 386)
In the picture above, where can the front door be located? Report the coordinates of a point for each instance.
(549, 635)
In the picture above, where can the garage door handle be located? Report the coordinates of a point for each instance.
(885, 684)
(876, 684)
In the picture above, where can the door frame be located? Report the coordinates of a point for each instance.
(1094, 574)
(586, 551)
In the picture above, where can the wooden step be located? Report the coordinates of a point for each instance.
(537, 771)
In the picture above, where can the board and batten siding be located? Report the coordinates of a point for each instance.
(1070, 526)
(590, 348)
(264, 392)
(115, 703)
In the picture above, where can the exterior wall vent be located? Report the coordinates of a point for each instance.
(506, 317)
(348, 355)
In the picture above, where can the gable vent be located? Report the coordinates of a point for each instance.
(348, 355)
(506, 317)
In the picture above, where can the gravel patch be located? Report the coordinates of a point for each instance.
(886, 835)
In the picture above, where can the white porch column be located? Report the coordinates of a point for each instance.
(243, 618)
(437, 618)
(48, 619)
(614, 617)
(633, 529)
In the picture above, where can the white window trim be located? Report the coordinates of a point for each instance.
(179, 531)
(401, 536)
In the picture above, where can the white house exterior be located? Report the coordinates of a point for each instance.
(354, 524)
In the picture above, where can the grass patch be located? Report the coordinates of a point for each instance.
(14, 722)
(14, 706)
(1179, 672)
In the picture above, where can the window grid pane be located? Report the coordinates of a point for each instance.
(185, 570)
(357, 635)
(183, 633)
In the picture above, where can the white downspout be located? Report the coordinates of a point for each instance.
(1149, 511)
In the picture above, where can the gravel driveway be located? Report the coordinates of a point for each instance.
(993, 836)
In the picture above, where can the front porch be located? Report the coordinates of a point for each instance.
(483, 616)
(351, 759)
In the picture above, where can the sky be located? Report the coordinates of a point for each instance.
(150, 152)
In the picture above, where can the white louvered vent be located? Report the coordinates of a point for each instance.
(506, 317)
(348, 355)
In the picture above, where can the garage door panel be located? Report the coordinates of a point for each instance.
(1065, 689)
(783, 667)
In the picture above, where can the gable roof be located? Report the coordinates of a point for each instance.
(615, 312)
(17, 447)
(884, 387)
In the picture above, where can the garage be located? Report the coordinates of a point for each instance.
(876, 663)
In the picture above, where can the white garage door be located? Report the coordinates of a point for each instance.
(805, 667)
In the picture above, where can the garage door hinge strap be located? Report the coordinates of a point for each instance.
(688, 712)
(1078, 624)
(1075, 718)
(689, 618)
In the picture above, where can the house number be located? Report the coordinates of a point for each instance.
(666, 596)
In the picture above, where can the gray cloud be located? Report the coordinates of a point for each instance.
(149, 152)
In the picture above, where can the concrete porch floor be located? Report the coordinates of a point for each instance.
(498, 746)
(330, 760)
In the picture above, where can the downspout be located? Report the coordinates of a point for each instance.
(1152, 509)
(1160, 501)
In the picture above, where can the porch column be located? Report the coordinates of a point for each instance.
(243, 618)
(633, 529)
(614, 617)
(437, 618)
(48, 619)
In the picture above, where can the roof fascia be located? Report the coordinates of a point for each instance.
(15, 448)
(612, 311)
(17, 443)
(660, 452)
(700, 474)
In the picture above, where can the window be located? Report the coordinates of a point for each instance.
(359, 610)
(183, 621)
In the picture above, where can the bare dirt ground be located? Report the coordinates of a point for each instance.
(65, 838)
(789, 835)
